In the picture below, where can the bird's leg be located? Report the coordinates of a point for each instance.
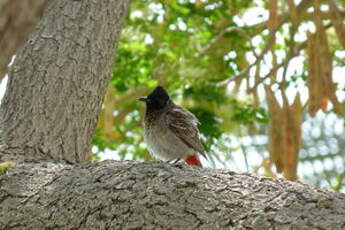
(176, 161)
(173, 161)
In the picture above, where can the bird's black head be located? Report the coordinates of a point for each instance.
(157, 99)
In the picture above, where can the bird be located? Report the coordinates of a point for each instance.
(170, 131)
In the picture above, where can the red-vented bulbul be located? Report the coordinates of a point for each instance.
(170, 131)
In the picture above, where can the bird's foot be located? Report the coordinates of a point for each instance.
(173, 161)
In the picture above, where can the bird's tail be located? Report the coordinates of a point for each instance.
(193, 160)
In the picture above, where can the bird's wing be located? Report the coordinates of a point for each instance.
(184, 125)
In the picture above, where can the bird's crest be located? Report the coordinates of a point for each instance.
(159, 92)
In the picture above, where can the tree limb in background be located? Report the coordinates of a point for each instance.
(285, 17)
(297, 10)
(294, 118)
(106, 117)
(338, 21)
(272, 22)
(320, 82)
(276, 130)
(275, 68)
(243, 73)
(17, 19)
(313, 76)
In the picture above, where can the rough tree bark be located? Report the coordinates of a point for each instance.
(49, 112)
(17, 19)
(133, 195)
(58, 81)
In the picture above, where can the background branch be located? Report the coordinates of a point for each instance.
(17, 19)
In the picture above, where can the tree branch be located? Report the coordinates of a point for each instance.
(283, 18)
(17, 19)
(282, 64)
(134, 195)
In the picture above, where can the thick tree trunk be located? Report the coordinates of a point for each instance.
(57, 83)
(133, 195)
(17, 19)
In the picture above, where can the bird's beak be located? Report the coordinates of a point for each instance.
(143, 99)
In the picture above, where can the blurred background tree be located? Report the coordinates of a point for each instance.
(265, 78)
